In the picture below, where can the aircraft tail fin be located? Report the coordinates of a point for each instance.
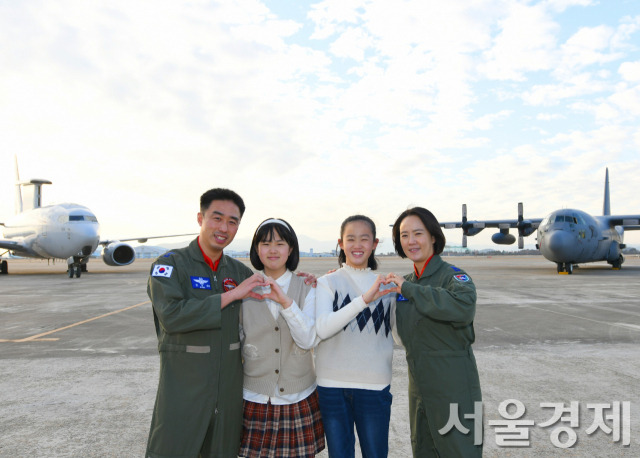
(33, 188)
(606, 208)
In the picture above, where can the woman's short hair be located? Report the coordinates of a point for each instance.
(430, 223)
(372, 263)
(264, 233)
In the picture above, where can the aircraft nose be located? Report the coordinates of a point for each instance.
(87, 235)
(558, 245)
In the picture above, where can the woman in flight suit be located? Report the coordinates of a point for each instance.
(434, 315)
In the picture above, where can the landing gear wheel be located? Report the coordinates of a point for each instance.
(618, 263)
(83, 267)
(569, 268)
(71, 271)
(78, 271)
(4, 268)
(560, 268)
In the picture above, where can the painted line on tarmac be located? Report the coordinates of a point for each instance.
(618, 325)
(37, 337)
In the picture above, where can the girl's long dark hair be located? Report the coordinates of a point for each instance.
(342, 257)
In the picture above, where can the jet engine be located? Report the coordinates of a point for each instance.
(118, 254)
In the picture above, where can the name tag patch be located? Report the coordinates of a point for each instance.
(162, 271)
(462, 277)
(200, 283)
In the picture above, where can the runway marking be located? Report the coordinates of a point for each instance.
(618, 325)
(632, 326)
(610, 309)
(37, 337)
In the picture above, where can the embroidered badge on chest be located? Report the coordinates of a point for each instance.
(228, 284)
(200, 283)
(462, 277)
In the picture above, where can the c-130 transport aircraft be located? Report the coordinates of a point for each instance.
(63, 231)
(566, 237)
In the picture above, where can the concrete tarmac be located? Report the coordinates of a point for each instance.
(79, 366)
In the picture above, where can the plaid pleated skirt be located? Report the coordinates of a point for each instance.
(293, 430)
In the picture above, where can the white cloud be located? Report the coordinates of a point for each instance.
(525, 42)
(630, 71)
(588, 46)
(561, 5)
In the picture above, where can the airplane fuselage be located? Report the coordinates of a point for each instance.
(573, 236)
(54, 232)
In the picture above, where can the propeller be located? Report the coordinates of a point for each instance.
(520, 229)
(525, 226)
(464, 225)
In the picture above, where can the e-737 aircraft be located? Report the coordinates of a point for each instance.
(63, 231)
(566, 237)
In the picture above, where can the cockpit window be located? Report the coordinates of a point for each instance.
(83, 218)
(565, 219)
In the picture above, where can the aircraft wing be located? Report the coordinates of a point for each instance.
(524, 227)
(498, 223)
(142, 239)
(13, 246)
(628, 222)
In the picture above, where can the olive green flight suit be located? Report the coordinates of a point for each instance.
(435, 323)
(198, 409)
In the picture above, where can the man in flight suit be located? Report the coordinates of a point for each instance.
(196, 294)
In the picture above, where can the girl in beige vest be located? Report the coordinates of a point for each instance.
(281, 412)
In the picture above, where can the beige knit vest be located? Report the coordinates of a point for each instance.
(270, 355)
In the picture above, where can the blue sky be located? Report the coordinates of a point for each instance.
(314, 111)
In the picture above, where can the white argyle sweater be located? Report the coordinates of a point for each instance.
(356, 349)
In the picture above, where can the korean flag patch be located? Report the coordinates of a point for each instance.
(200, 283)
(162, 271)
(462, 277)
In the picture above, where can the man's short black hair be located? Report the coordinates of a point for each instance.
(430, 223)
(220, 194)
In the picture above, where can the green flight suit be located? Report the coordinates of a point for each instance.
(434, 319)
(198, 409)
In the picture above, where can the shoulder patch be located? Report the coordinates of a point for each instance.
(462, 277)
(200, 283)
(167, 254)
(160, 270)
(455, 269)
(401, 298)
(229, 283)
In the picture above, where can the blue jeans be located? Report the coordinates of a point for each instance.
(369, 409)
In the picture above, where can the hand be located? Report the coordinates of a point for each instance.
(397, 280)
(245, 289)
(309, 279)
(375, 292)
(276, 294)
